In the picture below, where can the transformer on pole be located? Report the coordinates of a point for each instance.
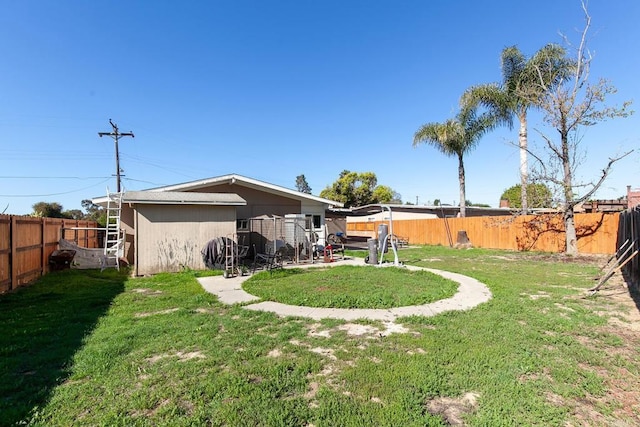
(115, 134)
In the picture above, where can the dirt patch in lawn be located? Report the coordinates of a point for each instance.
(623, 387)
(358, 330)
(155, 313)
(182, 356)
(587, 259)
(146, 291)
(453, 409)
(615, 303)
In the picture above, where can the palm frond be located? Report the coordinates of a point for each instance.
(512, 62)
(442, 136)
(497, 101)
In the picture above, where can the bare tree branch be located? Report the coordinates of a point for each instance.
(605, 172)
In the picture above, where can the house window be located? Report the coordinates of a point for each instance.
(242, 224)
(317, 221)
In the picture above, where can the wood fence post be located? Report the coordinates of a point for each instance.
(12, 256)
(43, 247)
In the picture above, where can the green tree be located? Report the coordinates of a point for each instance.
(73, 214)
(358, 189)
(477, 205)
(302, 185)
(524, 81)
(539, 196)
(48, 210)
(94, 212)
(385, 194)
(397, 198)
(456, 137)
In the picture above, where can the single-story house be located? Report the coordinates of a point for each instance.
(167, 227)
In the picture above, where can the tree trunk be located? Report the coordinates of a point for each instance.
(463, 200)
(570, 231)
(524, 167)
(571, 238)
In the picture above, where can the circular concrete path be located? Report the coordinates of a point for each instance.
(470, 294)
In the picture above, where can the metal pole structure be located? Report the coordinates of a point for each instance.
(115, 134)
(391, 238)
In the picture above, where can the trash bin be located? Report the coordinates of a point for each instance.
(372, 258)
(61, 259)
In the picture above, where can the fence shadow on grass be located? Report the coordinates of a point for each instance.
(629, 232)
(633, 285)
(41, 328)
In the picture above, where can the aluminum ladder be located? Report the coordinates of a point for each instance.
(114, 236)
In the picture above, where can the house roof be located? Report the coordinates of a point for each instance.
(183, 198)
(235, 179)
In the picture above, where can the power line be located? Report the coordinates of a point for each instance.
(146, 182)
(115, 134)
(54, 194)
(54, 177)
(177, 171)
(43, 154)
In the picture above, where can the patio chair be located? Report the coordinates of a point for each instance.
(268, 260)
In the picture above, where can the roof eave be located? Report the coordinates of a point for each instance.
(250, 183)
(182, 202)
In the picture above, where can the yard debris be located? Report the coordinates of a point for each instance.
(615, 264)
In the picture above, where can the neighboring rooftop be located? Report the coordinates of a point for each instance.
(441, 211)
(633, 197)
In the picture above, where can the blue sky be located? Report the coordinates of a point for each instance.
(274, 89)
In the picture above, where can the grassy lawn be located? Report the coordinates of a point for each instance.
(91, 348)
(350, 287)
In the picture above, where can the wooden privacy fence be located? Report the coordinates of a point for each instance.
(27, 242)
(597, 232)
(629, 230)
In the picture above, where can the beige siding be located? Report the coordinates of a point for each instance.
(171, 236)
(128, 225)
(258, 202)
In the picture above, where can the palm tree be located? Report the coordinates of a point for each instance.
(457, 136)
(524, 82)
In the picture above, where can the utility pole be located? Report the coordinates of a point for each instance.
(115, 134)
